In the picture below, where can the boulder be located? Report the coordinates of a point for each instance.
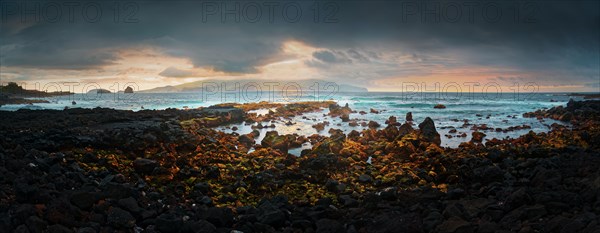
(144, 166)
(220, 217)
(36, 224)
(319, 126)
(455, 224)
(274, 140)
(130, 204)
(336, 110)
(54, 229)
(373, 124)
(405, 129)
(169, 223)
(433, 219)
(390, 132)
(348, 201)
(329, 226)
(428, 132)
(364, 178)
(84, 200)
(391, 120)
(345, 117)
(201, 226)
(120, 218)
(477, 136)
(246, 139)
(567, 116)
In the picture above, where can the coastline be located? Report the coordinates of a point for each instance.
(171, 171)
(14, 94)
(13, 100)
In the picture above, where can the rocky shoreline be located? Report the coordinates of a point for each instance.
(5, 100)
(12, 93)
(103, 170)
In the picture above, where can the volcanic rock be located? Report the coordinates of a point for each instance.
(274, 140)
(409, 116)
(120, 218)
(373, 124)
(477, 136)
(391, 120)
(144, 166)
(169, 222)
(428, 131)
(329, 226)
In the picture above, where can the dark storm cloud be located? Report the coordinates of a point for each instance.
(552, 35)
(326, 58)
(357, 55)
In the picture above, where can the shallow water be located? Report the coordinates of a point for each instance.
(504, 111)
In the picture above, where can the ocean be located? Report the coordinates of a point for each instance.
(495, 110)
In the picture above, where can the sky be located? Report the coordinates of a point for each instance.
(380, 45)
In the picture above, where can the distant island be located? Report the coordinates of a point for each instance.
(99, 91)
(307, 85)
(12, 93)
(128, 90)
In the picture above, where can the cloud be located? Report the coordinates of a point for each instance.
(593, 85)
(355, 55)
(370, 41)
(511, 79)
(48, 56)
(173, 72)
(327, 58)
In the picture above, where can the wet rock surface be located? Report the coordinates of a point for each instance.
(102, 170)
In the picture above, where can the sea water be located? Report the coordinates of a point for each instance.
(497, 111)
